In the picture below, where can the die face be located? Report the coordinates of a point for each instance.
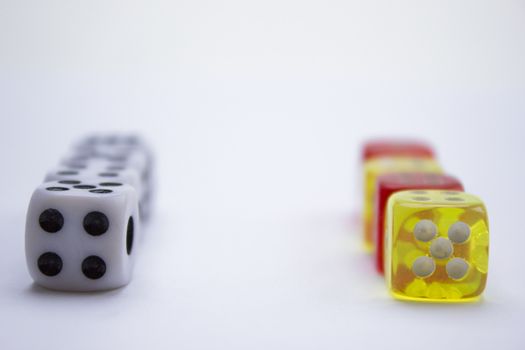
(437, 246)
(396, 148)
(112, 140)
(107, 160)
(96, 177)
(382, 166)
(116, 148)
(395, 182)
(77, 240)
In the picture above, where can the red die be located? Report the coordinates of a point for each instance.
(393, 182)
(396, 147)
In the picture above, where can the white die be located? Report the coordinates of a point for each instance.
(82, 239)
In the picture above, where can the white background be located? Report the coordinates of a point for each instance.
(256, 111)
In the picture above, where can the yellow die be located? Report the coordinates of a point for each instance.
(378, 166)
(436, 246)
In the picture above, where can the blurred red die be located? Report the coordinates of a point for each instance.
(396, 148)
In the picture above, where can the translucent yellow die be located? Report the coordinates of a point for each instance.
(436, 246)
(378, 166)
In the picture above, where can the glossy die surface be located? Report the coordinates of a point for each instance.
(437, 246)
(381, 166)
(389, 184)
(80, 238)
(396, 148)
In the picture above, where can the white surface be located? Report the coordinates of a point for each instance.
(256, 111)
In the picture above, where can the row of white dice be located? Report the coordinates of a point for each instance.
(83, 221)
(110, 159)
